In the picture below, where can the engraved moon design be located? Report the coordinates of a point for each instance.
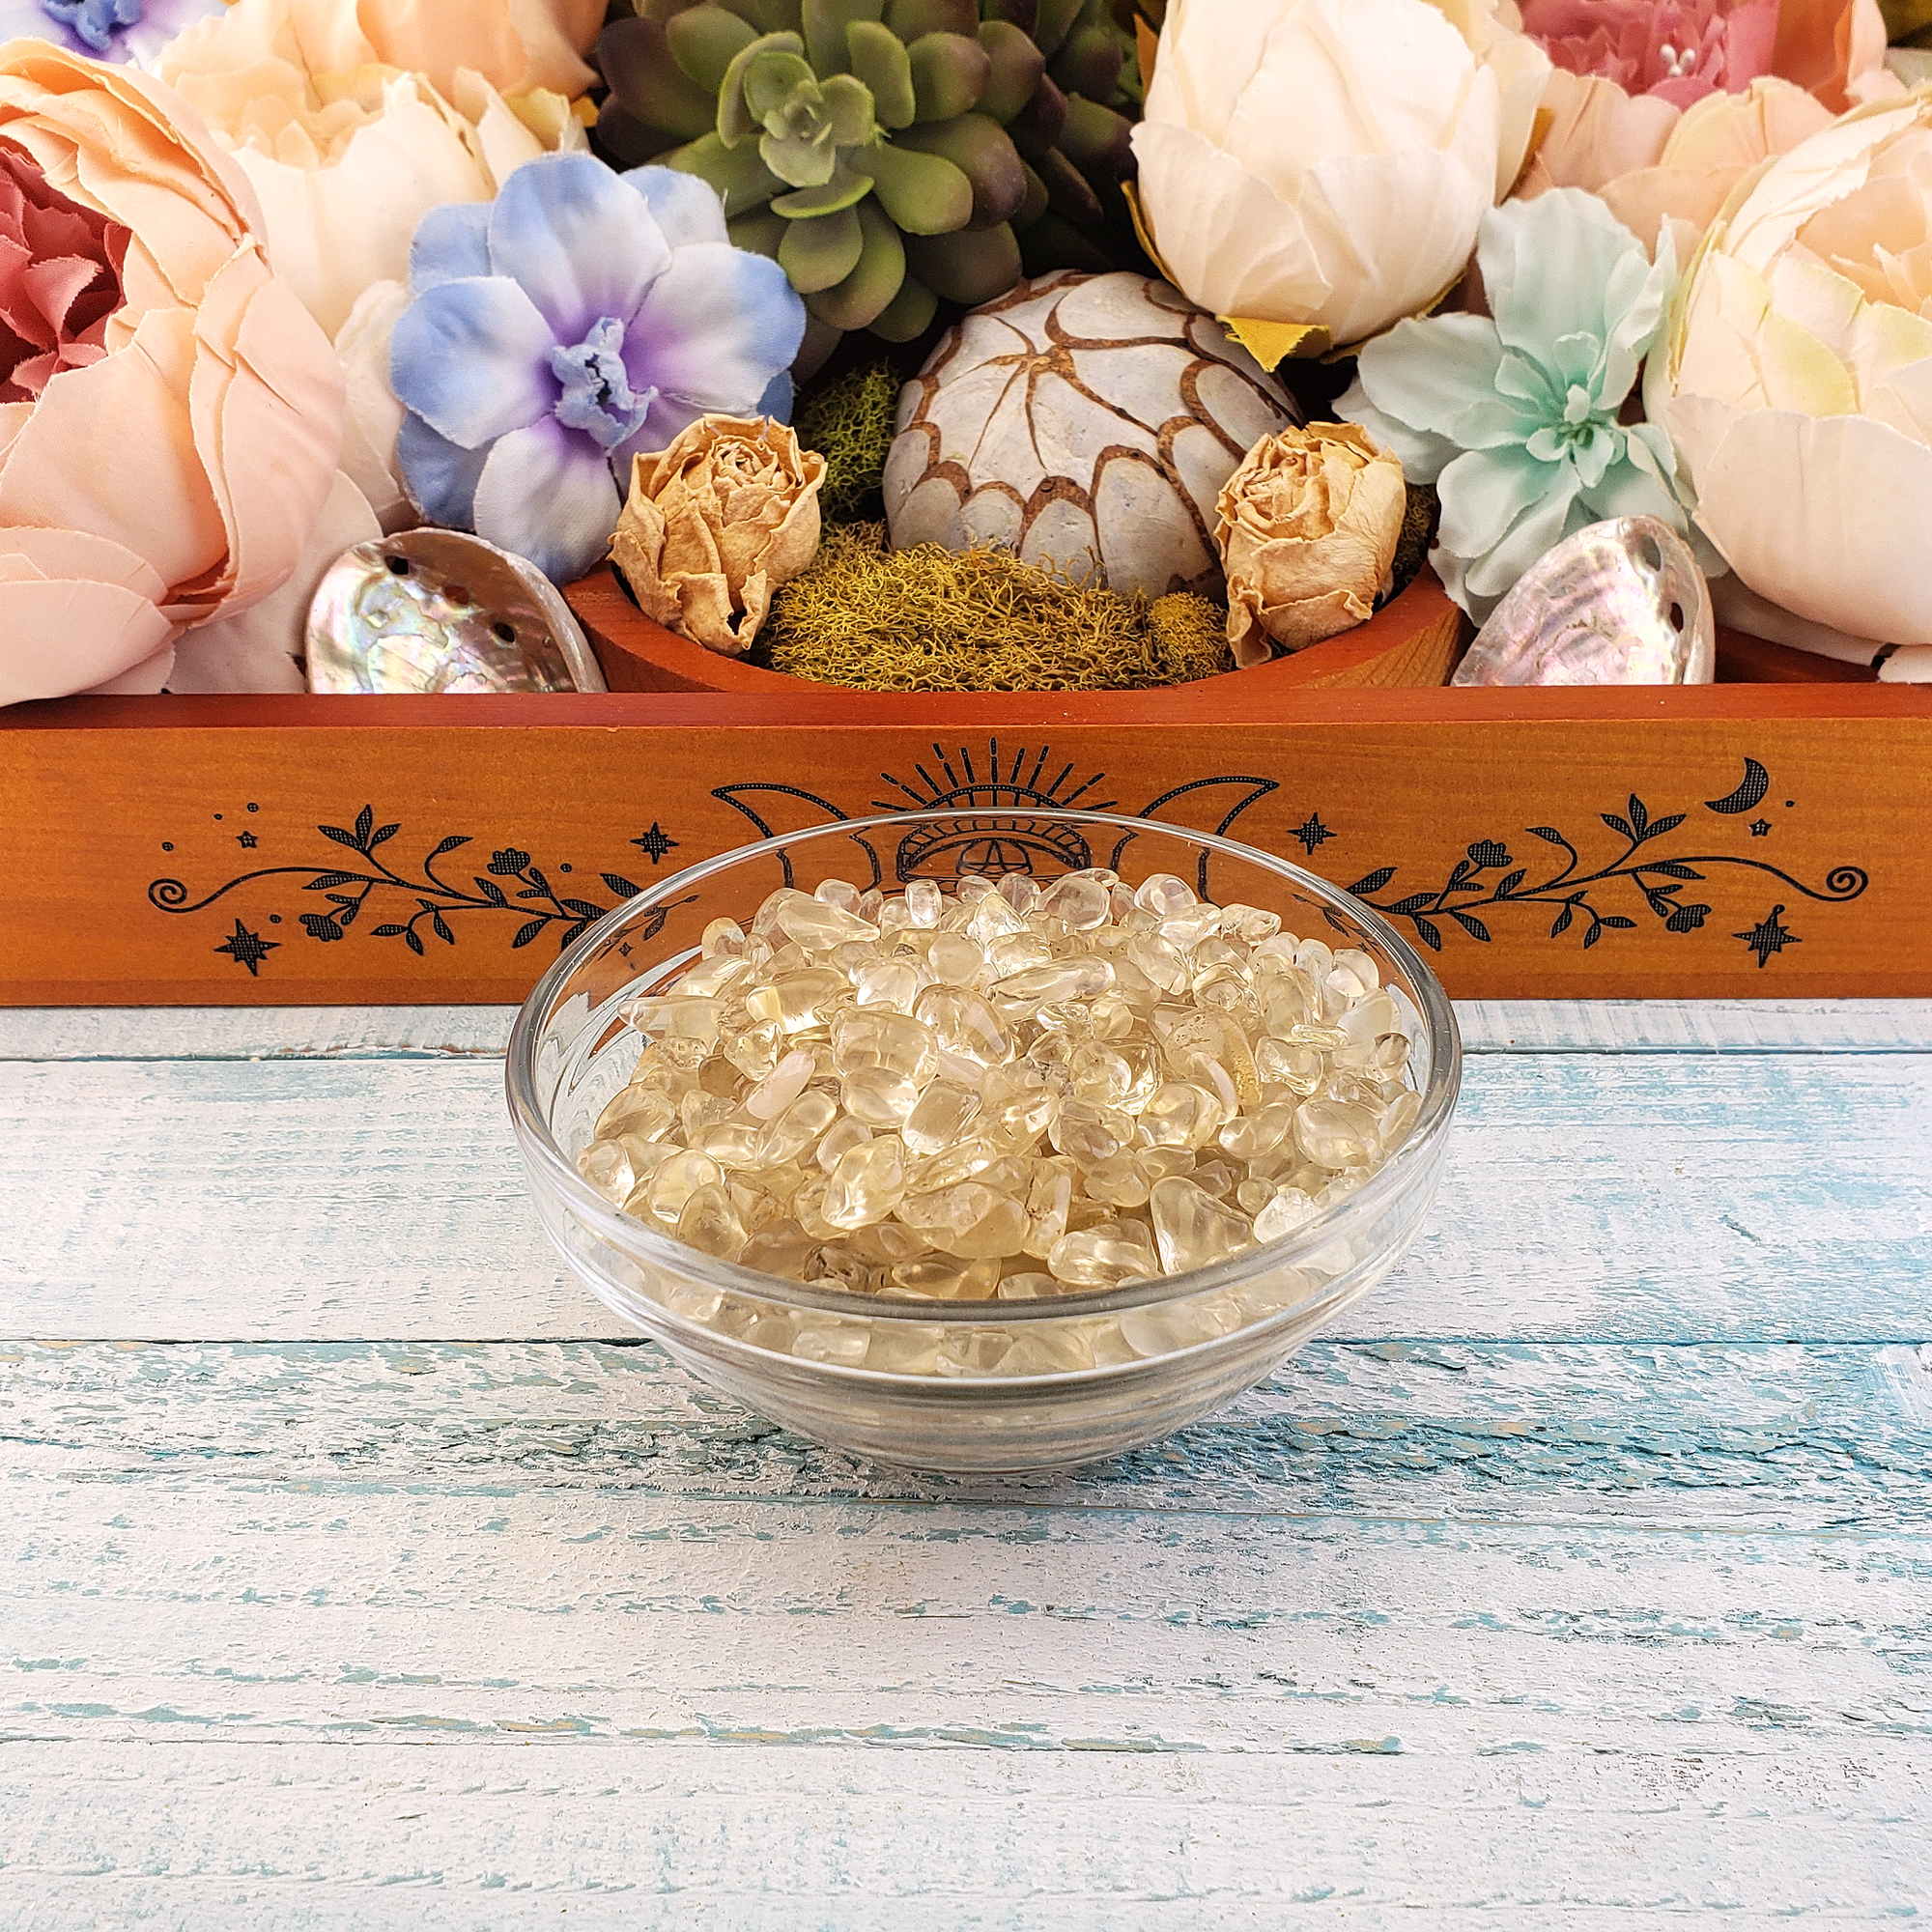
(1757, 781)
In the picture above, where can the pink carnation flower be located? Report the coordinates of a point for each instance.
(60, 280)
(1678, 50)
(1660, 106)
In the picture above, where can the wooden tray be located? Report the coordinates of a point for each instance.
(1744, 839)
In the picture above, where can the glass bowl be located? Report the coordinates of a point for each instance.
(964, 1386)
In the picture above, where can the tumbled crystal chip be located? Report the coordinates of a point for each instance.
(1010, 1092)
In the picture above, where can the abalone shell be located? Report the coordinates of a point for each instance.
(440, 610)
(1622, 602)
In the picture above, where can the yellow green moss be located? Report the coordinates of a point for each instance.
(850, 422)
(934, 620)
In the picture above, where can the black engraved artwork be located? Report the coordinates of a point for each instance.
(1002, 808)
(1576, 891)
(512, 885)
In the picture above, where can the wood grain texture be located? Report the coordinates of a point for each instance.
(139, 867)
(1580, 1585)
(1388, 1637)
(1589, 1196)
(856, 1838)
(1771, 1437)
(1488, 1025)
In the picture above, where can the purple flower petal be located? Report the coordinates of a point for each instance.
(547, 494)
(472, 358)
(582, 245)
(684, 206)
(452, 244)
(718, 324)
(440, 476)
(95, 29)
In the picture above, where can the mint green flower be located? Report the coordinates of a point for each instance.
(1515, 417)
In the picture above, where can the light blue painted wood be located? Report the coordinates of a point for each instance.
(1719, 1436)
(1585, 1582)
(1489, 1026)
(1589, 1196)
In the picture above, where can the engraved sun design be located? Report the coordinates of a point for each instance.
(1006, 838)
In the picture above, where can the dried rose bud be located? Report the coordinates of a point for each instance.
(715, 523)
(1307, 528)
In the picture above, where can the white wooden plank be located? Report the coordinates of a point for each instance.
(882, 1840)
(1695, 1026)
(577, 1671)
(185, 1608)
(1489, 1026)
(1766, 1437)
(1712, 1197)
(251, 1033)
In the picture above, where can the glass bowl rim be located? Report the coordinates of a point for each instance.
(540, 1148)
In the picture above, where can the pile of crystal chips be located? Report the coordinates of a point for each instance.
(1016, 1093)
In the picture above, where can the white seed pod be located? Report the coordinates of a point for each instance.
(1085, 422)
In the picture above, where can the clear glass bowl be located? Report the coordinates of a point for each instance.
(972, 1386)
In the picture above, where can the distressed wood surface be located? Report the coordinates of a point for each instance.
(1589, 1195)
(1489, 1026)
(358, 1572)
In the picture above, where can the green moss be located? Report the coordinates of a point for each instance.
(849, 423)
(934, 620)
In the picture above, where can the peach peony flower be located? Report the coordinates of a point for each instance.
(1672, 51)
(516, 45)
(1797, 381)
(172, 416)
(347, 150)
(1662, 106)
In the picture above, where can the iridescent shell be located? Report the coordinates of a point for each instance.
(440, 610)
(1619, 603)
(1084, 421)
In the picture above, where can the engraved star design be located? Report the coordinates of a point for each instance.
(654, 845)
(1770, 935)
(1759, 827)
(1312, 834)
(246, 840)
(249, 948)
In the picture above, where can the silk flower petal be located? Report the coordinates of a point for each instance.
(548, 494)
(1230, 242)
(473, 359)
(1830, 552)
(715, 327)
(334, 230)
(582, 245)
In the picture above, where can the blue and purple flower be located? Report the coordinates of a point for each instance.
(111, 30)
(581, 317)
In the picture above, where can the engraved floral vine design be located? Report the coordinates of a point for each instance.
(512, 883)
(1488, 877)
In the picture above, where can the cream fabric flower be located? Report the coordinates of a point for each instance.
(347, 150)
(1797, 384)
(716, 523)
(516, 45)
(1307, 528)
(1326, 162)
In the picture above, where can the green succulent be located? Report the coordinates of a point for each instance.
(888, 153)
